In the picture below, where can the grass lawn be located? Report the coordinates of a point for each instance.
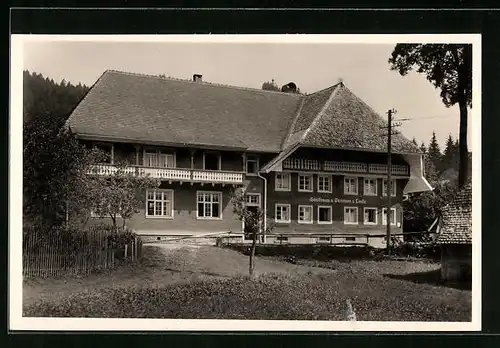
(207, 282)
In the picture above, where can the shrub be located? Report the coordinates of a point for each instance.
(428, 250)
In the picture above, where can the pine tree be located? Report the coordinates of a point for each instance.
(434, 152)
(423, 149)
(449, 153)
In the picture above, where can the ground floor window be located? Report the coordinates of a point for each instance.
(305, 214)
(370, 216)
(393, 216)
(252, 199)
(351, 215)
(160, 203)
(282, 213)
(324, 215)
(209, 205)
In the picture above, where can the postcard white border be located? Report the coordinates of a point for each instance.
(17, 322)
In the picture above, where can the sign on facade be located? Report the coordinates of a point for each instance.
(337, 200)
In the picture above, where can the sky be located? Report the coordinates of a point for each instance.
(363, 68)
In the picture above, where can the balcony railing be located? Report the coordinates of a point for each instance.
(344, 167)
(396, 169)
(177, 174)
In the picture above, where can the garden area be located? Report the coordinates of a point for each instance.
(205, 282)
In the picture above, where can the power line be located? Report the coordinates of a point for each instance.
(421, 118)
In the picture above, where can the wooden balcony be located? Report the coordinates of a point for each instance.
(344, 167)
(175, 174)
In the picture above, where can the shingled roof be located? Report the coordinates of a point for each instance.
(335, 117)
(147, 108)
(456, 219)
(140, 108)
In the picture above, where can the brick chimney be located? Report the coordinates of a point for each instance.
(197, 78)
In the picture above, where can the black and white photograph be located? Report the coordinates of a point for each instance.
(245, 182)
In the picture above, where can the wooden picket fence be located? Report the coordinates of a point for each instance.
(82, 252)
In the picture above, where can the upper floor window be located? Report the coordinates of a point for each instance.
(325, 183)
(211, 161)
(370, 187)
(159, 158)
(107, 151)
(282, 181)
(350, 185)
(252, 166)
(305, 183)
(393, 188)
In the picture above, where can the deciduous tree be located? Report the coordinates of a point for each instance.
(449, 68)
(120, 194)
(253, 221)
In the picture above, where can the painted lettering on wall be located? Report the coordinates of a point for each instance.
(337, 200)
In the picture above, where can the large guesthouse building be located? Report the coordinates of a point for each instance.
(313, 163)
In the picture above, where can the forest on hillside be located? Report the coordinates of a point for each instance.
(43, 96)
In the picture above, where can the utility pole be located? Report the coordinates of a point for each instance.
(390, 125)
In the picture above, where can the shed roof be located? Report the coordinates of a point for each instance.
(456, 219)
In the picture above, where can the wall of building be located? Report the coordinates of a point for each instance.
(184, 220)
(315, 199)
(456, 262)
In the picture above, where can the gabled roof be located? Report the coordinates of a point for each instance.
(335, 117)
(139, 108)
(147, 108)
(456, 219)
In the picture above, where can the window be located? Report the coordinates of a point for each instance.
(350, 239)
(324, 183)
(393, 216)
(160, 203)
(108, 151)
(209, 205)
(158, 158)
(324, 215)
(252, 166)
(305, 214)
(324, 239)
(350, 185)
(350, 215)
(305, 183)
(370, 216)
(211, 161)
(253, 199)
(282, 213)
(282, 239)
(393, 188)
(282, 182)
(370, 187)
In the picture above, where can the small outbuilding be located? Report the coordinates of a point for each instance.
(455, 237)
